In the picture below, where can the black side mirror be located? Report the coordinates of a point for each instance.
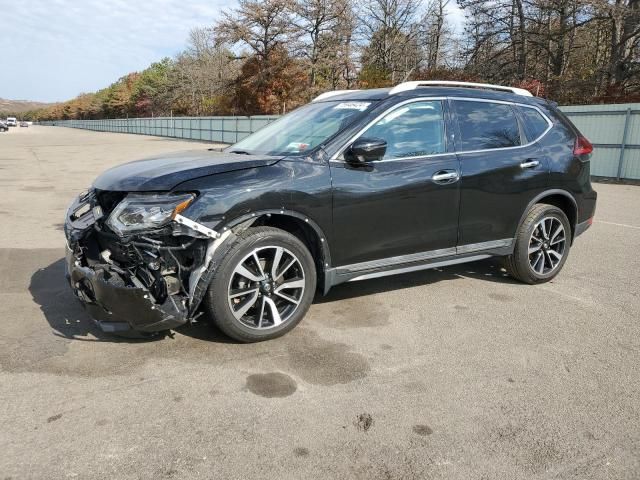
(366, 150)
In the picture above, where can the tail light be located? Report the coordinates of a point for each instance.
(582, 146)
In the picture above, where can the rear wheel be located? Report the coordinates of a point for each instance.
(542, 245)
(263, 287)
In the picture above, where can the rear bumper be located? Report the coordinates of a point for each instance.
(588, 209)
(582, 227)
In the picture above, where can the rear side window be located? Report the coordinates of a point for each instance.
(485, 125)
(534, 123)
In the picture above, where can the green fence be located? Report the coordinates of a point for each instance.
(613, 129)
(213, 129)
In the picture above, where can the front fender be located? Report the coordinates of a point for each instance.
(299, 188)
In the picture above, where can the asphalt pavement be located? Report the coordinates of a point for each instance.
(456, 373)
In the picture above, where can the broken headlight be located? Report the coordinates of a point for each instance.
(138, 212)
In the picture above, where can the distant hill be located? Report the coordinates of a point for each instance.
(19, 106)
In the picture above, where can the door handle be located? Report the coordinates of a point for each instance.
(445, 176)
(530, 163)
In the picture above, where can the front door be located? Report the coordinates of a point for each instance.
(406, 202)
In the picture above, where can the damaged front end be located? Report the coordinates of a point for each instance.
(135, 262)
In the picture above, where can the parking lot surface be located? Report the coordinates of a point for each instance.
(458, 373)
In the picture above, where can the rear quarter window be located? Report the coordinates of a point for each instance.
(534, 123)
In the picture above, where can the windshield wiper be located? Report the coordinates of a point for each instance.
(240, 152)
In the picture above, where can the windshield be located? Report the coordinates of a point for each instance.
(303, 129)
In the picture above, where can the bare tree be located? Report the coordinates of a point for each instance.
(624, 19)
(203, 72)
(260, 25)
(318, 22)
(497, 38)
(437, 35)
(390, 29)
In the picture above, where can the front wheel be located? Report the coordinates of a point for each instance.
(541, 246)
(263, 287)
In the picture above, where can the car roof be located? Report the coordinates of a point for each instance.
(429, 91)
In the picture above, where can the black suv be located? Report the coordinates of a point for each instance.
(355, 185)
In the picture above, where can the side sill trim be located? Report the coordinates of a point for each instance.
(476, 247)
(443, 263)
(387, 262)
(423, 256)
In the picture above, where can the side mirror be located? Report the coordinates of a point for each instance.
(366, 150)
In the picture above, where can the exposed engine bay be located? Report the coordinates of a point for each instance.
(135, 262)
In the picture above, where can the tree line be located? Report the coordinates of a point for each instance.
(269, 56)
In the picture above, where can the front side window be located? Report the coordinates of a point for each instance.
(303, 129)
(412, 130)
(485, 125)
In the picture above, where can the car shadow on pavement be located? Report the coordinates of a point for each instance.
(488, 270)
(204, 329)
(63, 311)
(68, 319)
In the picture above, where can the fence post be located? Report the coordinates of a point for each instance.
(627, 117)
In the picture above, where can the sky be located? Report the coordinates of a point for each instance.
(53, 50)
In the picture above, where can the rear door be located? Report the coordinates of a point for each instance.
(406, 202)
(501, 172)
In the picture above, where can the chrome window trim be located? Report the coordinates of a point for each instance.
(335, 156)
(504, 102)
(417, 157)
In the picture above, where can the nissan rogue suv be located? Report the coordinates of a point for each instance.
(355, 185)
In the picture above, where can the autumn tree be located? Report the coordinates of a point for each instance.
(264, 28)
(269, 56)
(151, 92)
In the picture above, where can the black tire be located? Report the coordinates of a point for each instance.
(518, 265)
(217, 299)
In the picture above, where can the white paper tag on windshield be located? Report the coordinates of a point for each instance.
(297, 147)
(362, 106)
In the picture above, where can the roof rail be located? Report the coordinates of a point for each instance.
(332, 93)
(403, 87)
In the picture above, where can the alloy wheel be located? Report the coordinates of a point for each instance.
(547, 245)
(266, 287)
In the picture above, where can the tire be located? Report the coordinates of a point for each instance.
(239, 281)
(541, 264)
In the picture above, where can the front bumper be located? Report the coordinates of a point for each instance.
(106, 290)
(119, 308)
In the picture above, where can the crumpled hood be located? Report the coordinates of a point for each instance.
(165, 172)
